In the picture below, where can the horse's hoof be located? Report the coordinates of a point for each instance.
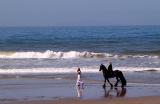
(104, 86)
(111, 86)
(115, 85)
(123, 86)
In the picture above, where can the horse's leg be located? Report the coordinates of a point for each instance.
(104, 85)
(109, 82)
(116, 82)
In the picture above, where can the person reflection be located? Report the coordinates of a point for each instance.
(114, 92)
(79, 91)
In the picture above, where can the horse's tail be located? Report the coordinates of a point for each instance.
(122, 78)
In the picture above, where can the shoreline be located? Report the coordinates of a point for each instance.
(57, 87)
(61, 89)
(135, 100)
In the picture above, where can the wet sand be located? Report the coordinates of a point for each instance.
(139, 100)
(58, 90)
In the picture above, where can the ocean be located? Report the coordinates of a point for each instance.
(61, 49)
(37, 62)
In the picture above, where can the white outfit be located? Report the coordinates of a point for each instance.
(79, 82)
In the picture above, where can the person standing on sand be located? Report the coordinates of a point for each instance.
(79, 82)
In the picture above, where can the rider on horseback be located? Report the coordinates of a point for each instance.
(110, 69)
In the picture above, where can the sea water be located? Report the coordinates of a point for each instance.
(62, 49)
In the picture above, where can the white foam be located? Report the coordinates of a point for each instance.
(69, 54)
(70, 70)
(52, 54)
(136, 69)
(46, 70)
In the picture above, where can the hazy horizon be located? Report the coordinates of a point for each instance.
(79, 13)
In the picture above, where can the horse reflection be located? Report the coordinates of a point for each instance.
(114, 92)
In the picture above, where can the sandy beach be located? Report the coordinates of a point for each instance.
(139, 100)
(56, 89)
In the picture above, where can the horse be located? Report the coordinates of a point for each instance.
(117, 73)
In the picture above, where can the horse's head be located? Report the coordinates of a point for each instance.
(101, 67)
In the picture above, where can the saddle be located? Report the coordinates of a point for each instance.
(111, 74)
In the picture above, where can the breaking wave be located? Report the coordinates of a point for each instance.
(69, 54)
(73, 70)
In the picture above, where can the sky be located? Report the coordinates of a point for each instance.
(79, 12)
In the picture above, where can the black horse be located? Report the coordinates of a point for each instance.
(118, 74)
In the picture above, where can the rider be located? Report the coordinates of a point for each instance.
(110, 69)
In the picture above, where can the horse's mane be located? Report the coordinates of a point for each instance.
(103, 67)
